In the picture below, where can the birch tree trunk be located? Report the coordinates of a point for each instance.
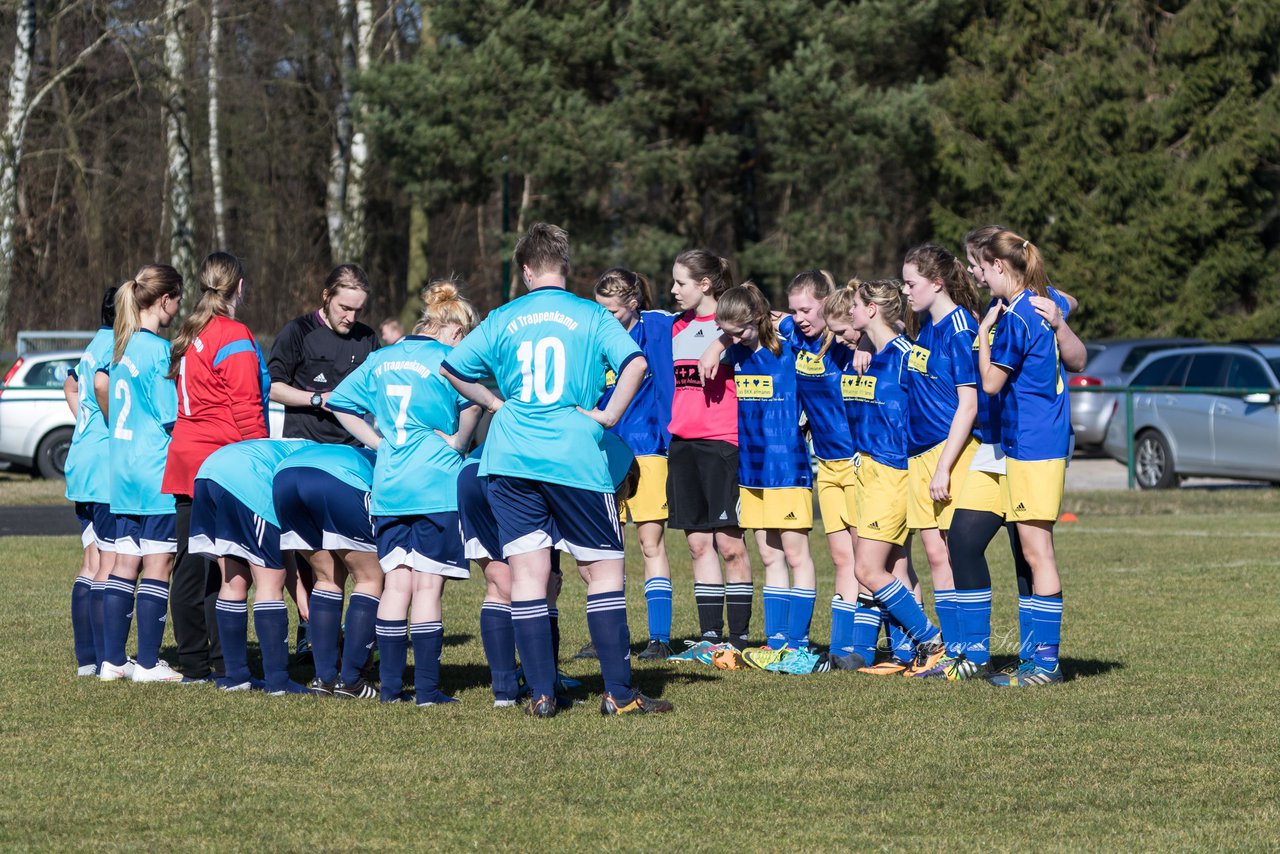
(11, 147)
(182, 248)
(215, 149)
(345, 197)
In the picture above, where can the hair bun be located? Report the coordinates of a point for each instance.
(440, 291)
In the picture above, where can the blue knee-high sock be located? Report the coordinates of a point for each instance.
(898, 601)
(1048, 620)
(777, 602)
(117, 614)
(81, 630)
(842, 614)
(553, 619)
(900, 643)
(153, 605)
(325, 623)
(271, 622)
(1026, 629)
(232, 616)
(393, 655)
(974, 613)
(944, 602)
(362, 617)
(607, 622)
(428, 641)
(657, 597)
(532, 629)
(866, 628)
(499, 643)
(800, 616)
(96, 595)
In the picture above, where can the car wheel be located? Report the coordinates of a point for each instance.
(1153, 462)
(51, 453)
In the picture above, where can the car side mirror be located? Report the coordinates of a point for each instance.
(1257, 398)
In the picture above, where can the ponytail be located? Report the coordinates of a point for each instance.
(704, 264)
(745, 305)
(623, 284)
(220, 277)
(937, 264)
(888, 298)
(1022, 258)
(135, 296)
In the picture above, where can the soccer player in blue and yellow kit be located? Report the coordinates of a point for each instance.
(425, 425)
(942, 404)
(644, 427)
(879, 407)
(1023, 366)
(143, 407)
(549, 351)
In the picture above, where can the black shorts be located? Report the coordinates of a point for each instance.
(702, 484)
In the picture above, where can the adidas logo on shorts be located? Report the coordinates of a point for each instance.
(875, 526)
(1021, 508)
(791, 516)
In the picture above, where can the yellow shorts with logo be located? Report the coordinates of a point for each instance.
(882, 502)
(788, 508)
(922, 510)
(983, 491)
(1033, 489)
(837, 486)
(649, 504)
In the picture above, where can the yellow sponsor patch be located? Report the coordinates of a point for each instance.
(610, 379)
(809, 364)
(858, 388)
(919, 360)
(754, 386)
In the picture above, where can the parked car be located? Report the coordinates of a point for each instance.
(35, 423)
(1206, 434)
(1111, 363)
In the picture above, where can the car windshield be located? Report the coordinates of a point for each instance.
(1275, 366)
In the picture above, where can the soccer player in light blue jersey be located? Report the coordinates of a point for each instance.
(87, 472)
(143, 407)
(1024, 367)
(644, 427)
(424, 425)
(773, 469)
(233, 521)
(549, 351)
(942, 405)
(321, 496)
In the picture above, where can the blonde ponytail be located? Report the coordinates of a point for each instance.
(145, 289)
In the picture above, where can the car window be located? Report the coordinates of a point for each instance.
(1247, 372)
(1092, 352)
(1166, 371)
(1138, 353)
(50, 374)
(1207, 370)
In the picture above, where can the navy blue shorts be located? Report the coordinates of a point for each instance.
(533, 515)
(479, 528)
(426, 543)
(97, 525)
(222, 526)
(146, 535)
(318, 511)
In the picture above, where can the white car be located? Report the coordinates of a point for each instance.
(35, 423)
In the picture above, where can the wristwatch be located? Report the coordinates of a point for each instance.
(316, 399)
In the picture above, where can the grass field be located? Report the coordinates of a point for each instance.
(1165, 735)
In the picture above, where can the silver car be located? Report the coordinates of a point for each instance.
(1204, 434)
(1111, 363)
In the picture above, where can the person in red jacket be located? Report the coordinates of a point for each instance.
(222, 399)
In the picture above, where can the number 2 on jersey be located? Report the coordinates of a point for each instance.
(533, 370)
(122, 393)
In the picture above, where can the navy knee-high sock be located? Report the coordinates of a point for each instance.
(271, 622)
(393, 655)
(362, 616)
(532, 629)
(607, 622)
(152, 607)
(553, 615)
(96, 595)
(117, 614)
(81, 629)
(499, 643)
(325, 623)
(428, 641)
(233, 633)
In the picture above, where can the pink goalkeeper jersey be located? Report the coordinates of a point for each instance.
(698, 411)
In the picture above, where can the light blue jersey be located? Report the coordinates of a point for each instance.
(87, 469)
(549, 351)
(246, 470)
(353, 466)
(143, 407)
(401, 385)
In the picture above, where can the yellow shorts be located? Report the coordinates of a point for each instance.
(649, 504)
(837, 494)
(922, 510)
(983, 491)
(789, 508)
(1033, 489)
(882, 502)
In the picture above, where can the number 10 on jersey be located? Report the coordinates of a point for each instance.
(537, 377)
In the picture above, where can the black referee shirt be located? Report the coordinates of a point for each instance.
(309, 355)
